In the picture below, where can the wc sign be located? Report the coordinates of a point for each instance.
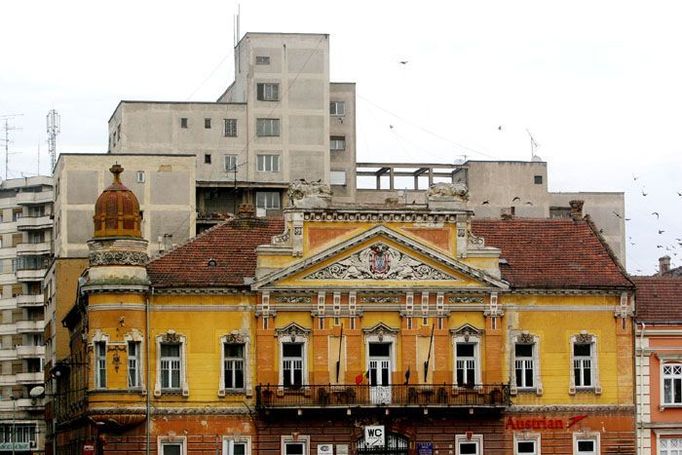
(375, 436)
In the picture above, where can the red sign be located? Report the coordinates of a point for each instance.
(88, 449)
(541, 423)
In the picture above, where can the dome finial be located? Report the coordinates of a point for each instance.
(116, 169)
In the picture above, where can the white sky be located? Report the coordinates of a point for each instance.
(598, 83)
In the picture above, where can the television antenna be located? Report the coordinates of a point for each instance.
(533, 145)
(53, 129)
(7, 128)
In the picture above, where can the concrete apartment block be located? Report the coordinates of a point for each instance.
(25, 249)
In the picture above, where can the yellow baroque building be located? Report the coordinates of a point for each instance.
(350, 330)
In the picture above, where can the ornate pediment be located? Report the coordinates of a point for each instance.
(379, 262)
(466, 331)
(293, 331)
(380, 330)
(170, 337)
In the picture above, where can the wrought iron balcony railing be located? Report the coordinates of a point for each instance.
(399, 395)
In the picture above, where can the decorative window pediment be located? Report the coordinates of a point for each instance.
(380, 331)
(293, 331)
(379, 262)
(466, 331)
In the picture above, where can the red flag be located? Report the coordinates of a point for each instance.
(359, 378)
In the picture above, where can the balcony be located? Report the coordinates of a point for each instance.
(30, 300)
(7, 278)
(8, 379)
(8, 354)
(30, 351)
(8, 227)
(8, 304)
(8, 253)
(34, 222)
(30, 326)
(32, 198)
(31, 378)
(31, 274)
(397, 396)
(28, 404)
(34, 248)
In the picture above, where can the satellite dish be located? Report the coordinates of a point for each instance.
(37, 391)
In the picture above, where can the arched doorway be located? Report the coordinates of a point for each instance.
(396, 444)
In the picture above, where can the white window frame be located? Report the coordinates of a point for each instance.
(475, 438)
(171, 440)
(667, 435)
(673, 377)
(229, 442)
(170, 337)
(586, 436)
(476, 341)
(230, 126)
(528, 437)
(267, 91)
(334, 108)
(231, 167)
(534, 340)
(136, 337)
(270, 197)
(98, 337)
(337, 143)
(267, 127)
(299, 439)
(267, 162)
(584, 338)
(293, 334)
(134, 364)
(235, 337)
(139, 176)
(100, 364)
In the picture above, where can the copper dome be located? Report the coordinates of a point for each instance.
(117, 211)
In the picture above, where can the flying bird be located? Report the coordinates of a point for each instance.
(679, 194)
(499, 128)
(661, 231)
(390, 126)
(634, 177)
(628, 219)
(659, 246)
(485, 202)
(657, 215)
(403, 62)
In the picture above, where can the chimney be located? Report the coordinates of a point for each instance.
(576, 209)
(246, 210)
(663, 265)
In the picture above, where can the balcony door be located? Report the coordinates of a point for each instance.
(380, 373)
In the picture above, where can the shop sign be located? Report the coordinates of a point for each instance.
(7, 446)
(374, 436)
(425, 448)
(88, 449)
(541, 423)
(325, 449)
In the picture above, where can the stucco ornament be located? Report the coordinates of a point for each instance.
(444, 190)
(304, 194)
(379, 262)
(118, 258)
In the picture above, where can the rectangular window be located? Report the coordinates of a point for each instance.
(537, 180)
(207, 123)
(467, 448)
(268, 163)
(230, 163)
(234, 365)
(101, 364)
(525, 366)
(294, 448)
(262, 60)
(337, 177)
(292, 365)
(337, 143)
(207, 158)
(337, 108)
(267, 127)
(133, 364)
(171, 448)
(267, 91)
(526, 448)
(586, 447)
(670, 446)
(672, 383)
(183, 122)
(139, 176)
(170, 366)
(466, 364)
(267, 200)
(230, 127)
(582, 364)
(236, 447)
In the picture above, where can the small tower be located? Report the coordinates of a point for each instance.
(118, 253)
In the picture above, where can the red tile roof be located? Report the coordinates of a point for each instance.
(552, 253)
(658, 299)
(231, 244)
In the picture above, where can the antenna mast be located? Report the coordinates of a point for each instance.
(533, 145)
(7, 128)
(53, 129)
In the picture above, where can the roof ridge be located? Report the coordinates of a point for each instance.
(160, 255)
(593, 227)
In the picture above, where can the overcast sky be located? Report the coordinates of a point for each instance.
(598, 83)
